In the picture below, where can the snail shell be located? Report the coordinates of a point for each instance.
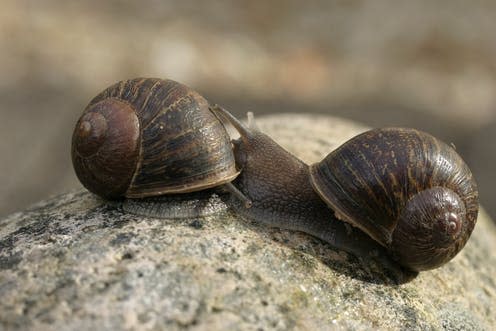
(409, 191)
(146, 137)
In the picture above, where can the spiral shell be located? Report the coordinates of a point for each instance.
(146, 137)
(409, 191)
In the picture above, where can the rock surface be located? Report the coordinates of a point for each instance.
(76, 262)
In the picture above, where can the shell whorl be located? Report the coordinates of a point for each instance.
(370, 180)
(430, 230)
(105, 147)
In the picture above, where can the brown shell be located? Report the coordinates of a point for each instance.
(146, 137)
(370, 180)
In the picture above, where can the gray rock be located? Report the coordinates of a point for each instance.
(76, 262)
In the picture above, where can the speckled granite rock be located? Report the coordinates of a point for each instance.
(76, 262)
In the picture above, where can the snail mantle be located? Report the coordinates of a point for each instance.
(77, 262)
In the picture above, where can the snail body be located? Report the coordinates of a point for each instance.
(147, 137)
(278, 184)
(410, 193)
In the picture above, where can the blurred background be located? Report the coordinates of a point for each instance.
(423, 64)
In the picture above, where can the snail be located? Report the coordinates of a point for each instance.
(147, 137)
(409, 192)
(397, 195)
